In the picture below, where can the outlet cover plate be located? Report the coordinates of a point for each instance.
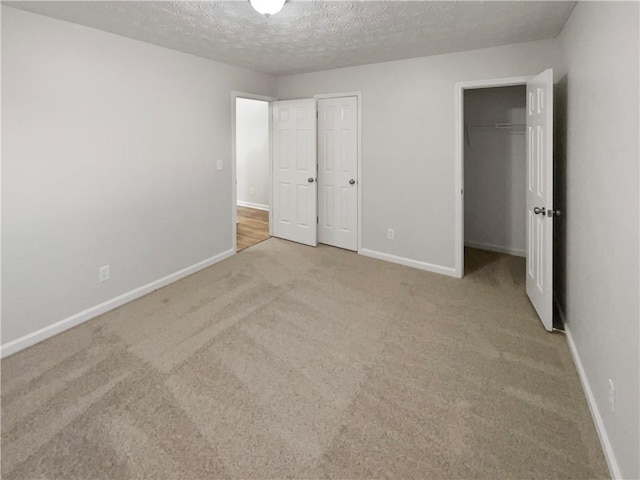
(104, 273)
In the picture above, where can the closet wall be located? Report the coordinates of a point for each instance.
(495, 169)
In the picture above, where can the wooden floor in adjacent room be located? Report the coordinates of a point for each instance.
(252, 227)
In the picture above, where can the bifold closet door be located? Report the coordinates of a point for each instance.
(294, 191)
(338, 172)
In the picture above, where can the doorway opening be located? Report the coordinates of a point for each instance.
(495, 203)
(489, 170)
(252, 171)
(306, 155)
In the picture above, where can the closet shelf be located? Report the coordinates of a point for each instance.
(505, 126)
(512, 128)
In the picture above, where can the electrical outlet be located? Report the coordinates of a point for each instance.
(219, 164)
(104, 273)
(612, 396)
(391, 233)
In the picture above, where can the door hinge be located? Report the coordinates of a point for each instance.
(317, 219)
(317, 115)
(462, 191)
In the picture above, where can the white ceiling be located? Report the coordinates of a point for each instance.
(309, 36)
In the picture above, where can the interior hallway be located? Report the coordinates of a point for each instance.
(289, 361)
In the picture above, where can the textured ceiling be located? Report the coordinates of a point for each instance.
(309, 36)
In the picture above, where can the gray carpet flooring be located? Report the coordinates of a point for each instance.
(287, 361)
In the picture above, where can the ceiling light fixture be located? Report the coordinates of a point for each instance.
(267, 7)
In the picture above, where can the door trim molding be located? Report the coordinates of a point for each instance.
(358, 95)
(234, 169)
(459, 89)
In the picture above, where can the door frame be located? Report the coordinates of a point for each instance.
(234, 180)
(459, 89)
(358, 95)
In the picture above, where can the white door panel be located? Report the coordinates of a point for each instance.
(540, 211)
(294, 171)
(338, 172)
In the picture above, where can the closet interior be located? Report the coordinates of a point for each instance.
(495, 169)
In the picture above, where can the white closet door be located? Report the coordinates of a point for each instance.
(337, 172)
(294, 190)
(540, 211)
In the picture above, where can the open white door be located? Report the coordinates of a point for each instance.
(540, 211)
(294, 214)
(338, 172)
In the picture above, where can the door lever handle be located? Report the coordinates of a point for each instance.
(539, 211)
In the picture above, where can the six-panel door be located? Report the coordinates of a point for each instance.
(338, 172)
(540, 195)
(294, 188)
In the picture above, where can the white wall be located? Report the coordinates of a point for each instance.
(252, 152)
(109, 149)
(600, 154)
(495, 170)
(408, 139)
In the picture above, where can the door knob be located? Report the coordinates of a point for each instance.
(310, 179)
(352, 182)
(539, 211)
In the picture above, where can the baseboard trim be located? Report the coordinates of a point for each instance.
(614, 469)
(429, 267)
(92, 312)
(257, 206)
(496, 248)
